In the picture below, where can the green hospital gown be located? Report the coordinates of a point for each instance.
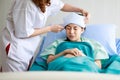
(82, 64)
(99, 50)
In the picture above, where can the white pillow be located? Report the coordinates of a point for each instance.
(51, 37)
(103, 33)
(118, 45)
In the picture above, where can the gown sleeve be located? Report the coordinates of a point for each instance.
(51, 49)
(99, 50)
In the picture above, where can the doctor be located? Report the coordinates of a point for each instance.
(24, 28)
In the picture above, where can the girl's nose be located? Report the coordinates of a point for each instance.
(71, 31)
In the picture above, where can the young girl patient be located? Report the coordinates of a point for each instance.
(75, 53)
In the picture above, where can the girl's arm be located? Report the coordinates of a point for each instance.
(52, 57)
(98, 63)
(73, 52)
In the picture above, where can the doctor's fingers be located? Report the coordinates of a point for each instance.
(56, 28)
(87, 18)
(86, 14)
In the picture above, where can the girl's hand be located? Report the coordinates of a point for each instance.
(50, 58)
(75, 52)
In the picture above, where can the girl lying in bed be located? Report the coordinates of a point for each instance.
(75, 53)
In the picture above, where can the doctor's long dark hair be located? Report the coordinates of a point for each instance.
(41, 4)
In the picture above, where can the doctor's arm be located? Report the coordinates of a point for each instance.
(53, 28)
(70, 8)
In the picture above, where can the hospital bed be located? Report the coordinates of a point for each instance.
(104, 33)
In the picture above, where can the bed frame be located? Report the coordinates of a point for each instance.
(56, 75)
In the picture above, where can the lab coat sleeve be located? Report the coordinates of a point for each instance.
(23, 18)
(56, 6)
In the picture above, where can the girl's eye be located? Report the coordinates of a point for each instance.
(68, 28)
(75, 28)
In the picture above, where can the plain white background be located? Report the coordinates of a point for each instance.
(102, 12)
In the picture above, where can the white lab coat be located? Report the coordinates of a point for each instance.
(23, 17)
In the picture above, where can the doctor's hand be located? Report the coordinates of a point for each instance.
(56, 28)
(86, 14)
(87, 18)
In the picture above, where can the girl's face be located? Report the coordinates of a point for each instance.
(74, 32)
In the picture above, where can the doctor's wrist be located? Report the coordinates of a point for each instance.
(48, 28)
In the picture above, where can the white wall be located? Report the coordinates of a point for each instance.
(102, 11)
(4, 6)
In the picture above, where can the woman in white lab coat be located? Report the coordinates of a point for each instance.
(23, 32)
